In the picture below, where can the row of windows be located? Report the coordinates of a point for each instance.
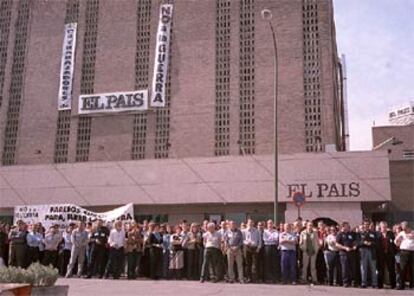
(222, 109)
(87, 76)
(247, 77)
(15, 94)
(5, 18)
(311, 76)
(141, 76)
(64, 116)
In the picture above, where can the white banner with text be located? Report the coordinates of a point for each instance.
(162, 49)
(113, 102)
(66, 68)
(64, 214)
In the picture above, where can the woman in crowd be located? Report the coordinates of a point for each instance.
(176, 254)
(166, 231)
(144, 267)
(155, 251)
(331, 254)
(194, 246)
(3, 244)
(133, 249)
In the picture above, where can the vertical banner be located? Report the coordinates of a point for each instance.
(162, 48)
(66, 68)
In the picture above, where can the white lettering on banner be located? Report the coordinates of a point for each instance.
(64, 214)
(66, 68)
(113, 102)
(162, 50)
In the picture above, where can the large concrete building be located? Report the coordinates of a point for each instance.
(398, 141)
(219, 109)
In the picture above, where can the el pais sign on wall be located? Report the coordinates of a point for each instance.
(324, 190)
(113, 102)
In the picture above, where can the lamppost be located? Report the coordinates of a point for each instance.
(267, 17)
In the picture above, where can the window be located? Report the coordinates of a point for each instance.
(64, 116)
(141, 75)
(311, 76)
(17, 78)
(247, 76)
(5, 18)
(87, 77)
(222, 114)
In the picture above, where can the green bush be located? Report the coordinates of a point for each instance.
(35, 275)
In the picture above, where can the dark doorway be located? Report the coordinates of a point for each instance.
(326, 221)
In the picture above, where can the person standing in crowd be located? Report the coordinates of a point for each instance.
(405, 241)
(260, 253)
(366, 247)
(155, 251)
(193, 245)
(133, 249)
(52, 240)
(233, 243)
(176, 265)
(116, 243)
(66, 250)
(98, 254)
(386, 256)
(331, 256)
(297, 229)
(144, 269)
(222, 267)
(184, 235)
(322, 230)
(346, 243)
(79, 239)
(34, 241)
(212, 242)
(309, 244)
(271, 258)
(18, 245)
(251, 244)
(287, 242)
(3, 245)
(166, 232)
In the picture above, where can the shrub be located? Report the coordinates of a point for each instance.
(36, 275)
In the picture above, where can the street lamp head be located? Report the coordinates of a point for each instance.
(266, 15)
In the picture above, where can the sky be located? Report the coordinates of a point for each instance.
(377, 38)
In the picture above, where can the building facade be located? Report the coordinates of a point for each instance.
(219, 110)
(219, 88)
(401, 154)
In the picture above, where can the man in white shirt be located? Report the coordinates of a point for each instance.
(52, 240)
(405, 241)
(212, 252)
(271, 253)
(116, 243)
(80, 240)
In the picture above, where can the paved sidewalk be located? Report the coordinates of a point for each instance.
(96, 287)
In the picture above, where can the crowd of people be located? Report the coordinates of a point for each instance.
(368, 255)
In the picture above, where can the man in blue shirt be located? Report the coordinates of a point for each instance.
(346, 243)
